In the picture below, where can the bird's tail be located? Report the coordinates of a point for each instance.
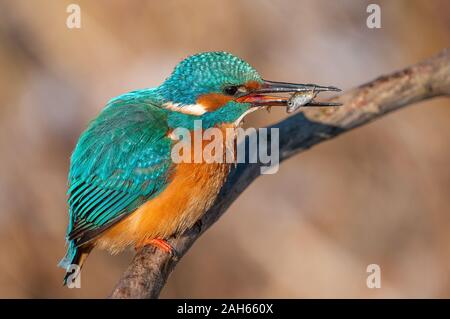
(74, 259)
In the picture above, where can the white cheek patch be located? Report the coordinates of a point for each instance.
(192, 109)
(172, 136)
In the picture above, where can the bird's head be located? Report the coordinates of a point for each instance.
(219, 87)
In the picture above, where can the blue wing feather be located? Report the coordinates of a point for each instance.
(120, 161)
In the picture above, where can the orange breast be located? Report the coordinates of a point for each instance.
(191, 192)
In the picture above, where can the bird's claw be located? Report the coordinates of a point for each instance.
(161, 244)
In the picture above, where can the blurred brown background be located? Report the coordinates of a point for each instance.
(379, 194)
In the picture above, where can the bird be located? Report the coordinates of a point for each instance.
(125, 189)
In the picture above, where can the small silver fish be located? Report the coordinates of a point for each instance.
(300, 99)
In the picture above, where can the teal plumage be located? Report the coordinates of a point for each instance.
(123, 158)
(122, 163)
(205, 73)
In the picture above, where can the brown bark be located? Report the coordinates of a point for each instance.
(150, 268)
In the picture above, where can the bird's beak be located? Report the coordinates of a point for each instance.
(261, 96)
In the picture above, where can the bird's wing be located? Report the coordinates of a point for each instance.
(120, 161)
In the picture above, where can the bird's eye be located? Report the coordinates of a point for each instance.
(230, 90)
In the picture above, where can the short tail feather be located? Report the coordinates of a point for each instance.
(75, 257)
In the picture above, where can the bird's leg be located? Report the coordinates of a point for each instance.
(159, 243)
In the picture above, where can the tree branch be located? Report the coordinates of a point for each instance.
(148, 272)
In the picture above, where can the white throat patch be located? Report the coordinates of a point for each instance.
(192, 109)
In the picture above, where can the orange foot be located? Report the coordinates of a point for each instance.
(159, 243)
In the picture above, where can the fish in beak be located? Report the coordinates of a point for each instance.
(301, 95)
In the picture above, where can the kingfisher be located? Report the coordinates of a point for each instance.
(125, 189)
